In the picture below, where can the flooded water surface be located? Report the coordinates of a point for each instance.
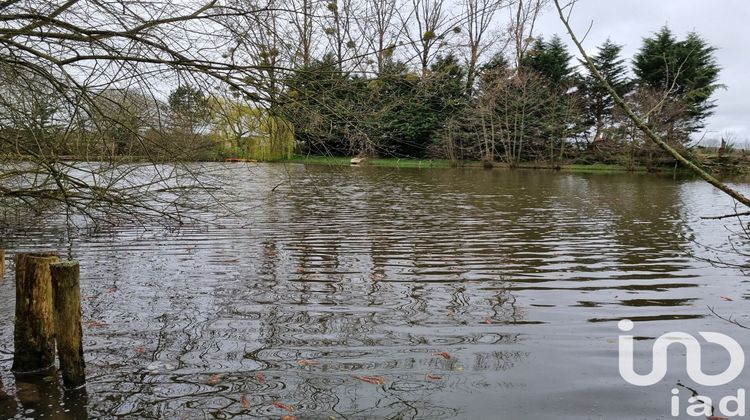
(392, 293)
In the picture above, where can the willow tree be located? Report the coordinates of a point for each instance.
(253, 133)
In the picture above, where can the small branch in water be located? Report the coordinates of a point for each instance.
(729, 319)
(726, 216)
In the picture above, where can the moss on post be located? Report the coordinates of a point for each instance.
(66, 294)
(34, 335)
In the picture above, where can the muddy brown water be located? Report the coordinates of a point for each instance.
(340, 274)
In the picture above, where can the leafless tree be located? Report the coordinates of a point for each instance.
(479, 17)
(267, 45)
(523, 17)
(514, 113)
(100, 64)
(426, 27)
(380, 34)
(341, 31)
(304, 26)
(510, 119)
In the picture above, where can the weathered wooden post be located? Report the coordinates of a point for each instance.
(66, 294)
(2, 265)
(34, 335)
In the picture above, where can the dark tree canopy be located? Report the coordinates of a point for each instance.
(685, 70)
(599, 104)
(551, 60)
(189, 106)
(187, 99)
(394, 114)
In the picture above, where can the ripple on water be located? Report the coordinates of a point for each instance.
(519, 277)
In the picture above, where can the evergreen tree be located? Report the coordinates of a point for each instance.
(700, 75)
(395, 114)
(189, 107)
(685, 70)
(559, 119)
(497, 66)
(449, 78)
(322, 104)
(598, 102)
(551, 60)
(411, 119)
(656, 62)
(498, 61)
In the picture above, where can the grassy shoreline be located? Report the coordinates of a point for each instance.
(443, 163)
(739, 167)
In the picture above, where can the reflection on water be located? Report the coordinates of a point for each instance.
(38, 395)
(473, 294)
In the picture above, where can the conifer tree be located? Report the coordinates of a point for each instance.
(551, 60)
(599, 104)
(684, 70)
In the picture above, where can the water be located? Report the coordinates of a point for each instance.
(342, 273)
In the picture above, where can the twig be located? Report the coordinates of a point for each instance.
(729, 319)
(726, 216)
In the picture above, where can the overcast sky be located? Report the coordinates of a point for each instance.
(723, 23)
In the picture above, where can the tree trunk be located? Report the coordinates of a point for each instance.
(34, 335)
(66, 294)
(2, 265)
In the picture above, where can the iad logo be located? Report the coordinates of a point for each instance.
(693, 352)
(700, 405)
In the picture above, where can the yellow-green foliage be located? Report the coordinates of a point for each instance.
(277, 145)
(252, 133)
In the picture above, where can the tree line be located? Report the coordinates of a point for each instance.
(463, 80)
(539, 108)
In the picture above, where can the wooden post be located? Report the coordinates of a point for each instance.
(2, 265)
(34, 335)
(66, 294)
